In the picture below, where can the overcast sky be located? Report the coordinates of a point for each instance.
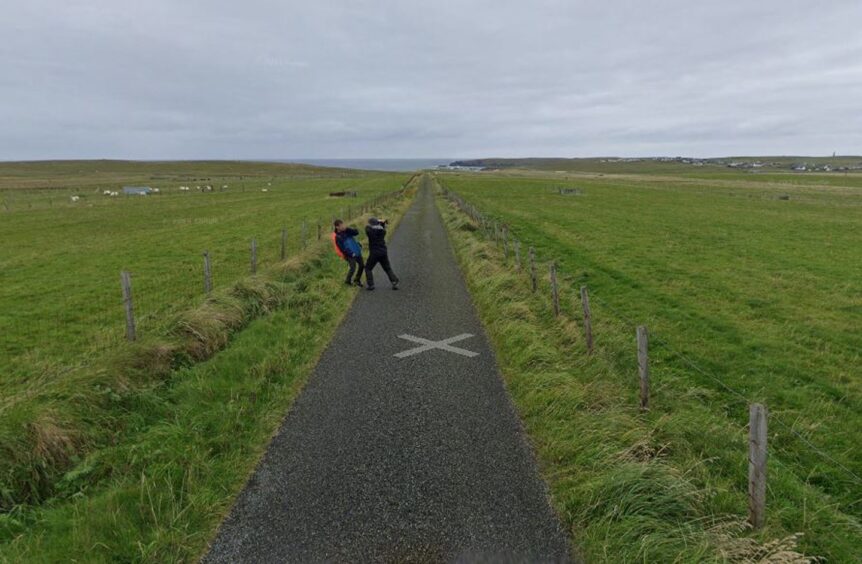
(279, 79)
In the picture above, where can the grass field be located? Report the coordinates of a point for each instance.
(751, 286)
(60, 264)
(61, 318)
(776, 170)
(136, 455)
(740, 289)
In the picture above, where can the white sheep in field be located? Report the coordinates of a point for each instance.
(106, 192)
(112, 194)
(156, 190)
(264, 190)
(184, 188)
(224, 186)
(75, 198)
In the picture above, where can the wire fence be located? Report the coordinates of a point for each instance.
(64, 325)
(495, 229)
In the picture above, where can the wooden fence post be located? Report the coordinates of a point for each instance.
(283, 243)
(208, 280)
(318, 229)
(304, 233)
(643, 365)
(518, 254)
(555, 295)
(757, 414)
(533, 268)
(126, 282)
(253, 256)
(506, 242)
(588, 318)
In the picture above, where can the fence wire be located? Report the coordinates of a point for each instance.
(490, 229)
(58, 330)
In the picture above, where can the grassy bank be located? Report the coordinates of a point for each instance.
(63, 355)
(21, 182)
(182, 441)
(668, 485)
(761, 294)
(60, 266)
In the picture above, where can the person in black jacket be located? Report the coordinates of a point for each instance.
(351, 249)
(377, 252)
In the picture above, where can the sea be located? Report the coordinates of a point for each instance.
(396, 165)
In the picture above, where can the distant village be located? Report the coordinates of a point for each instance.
(844, 164)
(743, 164)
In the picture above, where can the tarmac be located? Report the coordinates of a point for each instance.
(404, 445)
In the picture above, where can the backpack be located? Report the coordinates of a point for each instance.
(338, 250)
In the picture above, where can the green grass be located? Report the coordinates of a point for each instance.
(777, 170)
(189, 443)
(762, 294)
(60, 266)
(184, 424)
(62, 178)
(61, 315)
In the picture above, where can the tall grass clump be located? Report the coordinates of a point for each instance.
(139, 460)
(667, 485)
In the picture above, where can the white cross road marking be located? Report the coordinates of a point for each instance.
(443, 345)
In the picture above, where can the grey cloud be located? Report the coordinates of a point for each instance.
(267, 79)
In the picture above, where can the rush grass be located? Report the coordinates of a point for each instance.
(664, 486)
(668, 485)
(59, 266)
(61, 318)
(762, 294)
(180, 442)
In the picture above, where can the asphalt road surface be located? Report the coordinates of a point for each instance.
(403, 446)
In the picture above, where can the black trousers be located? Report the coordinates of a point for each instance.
(381, 257)
(352, 263)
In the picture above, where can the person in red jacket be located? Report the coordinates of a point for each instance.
(351, 250)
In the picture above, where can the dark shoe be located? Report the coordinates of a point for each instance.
(395, 284)
(358, 283)
(348, 282)
(370, 288)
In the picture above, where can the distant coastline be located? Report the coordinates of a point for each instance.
(393, 165)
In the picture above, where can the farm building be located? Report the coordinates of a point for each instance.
(137, 190)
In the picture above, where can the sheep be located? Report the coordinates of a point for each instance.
(264, 190)
(224, 186)
(75, 198)
(112, 194)
(106, 192)
(156, 190)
